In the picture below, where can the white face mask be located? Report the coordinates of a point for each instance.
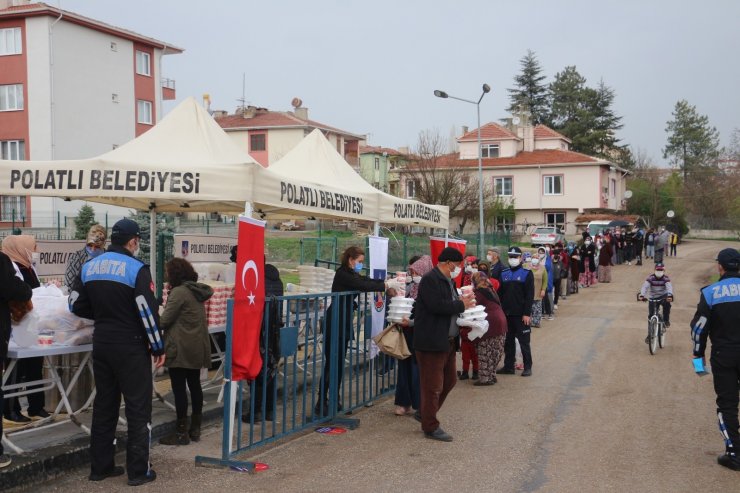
(587, 243)
(514, 262)
(659, 273)
(489, 258)
(535, 262)
(456, 272)
(469, 269)
(542, 255)
(35, 258)
(416, 279)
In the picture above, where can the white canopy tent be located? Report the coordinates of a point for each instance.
(314, 159)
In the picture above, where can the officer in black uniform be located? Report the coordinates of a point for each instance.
(116, 290)
(517, 293)
(718, 317)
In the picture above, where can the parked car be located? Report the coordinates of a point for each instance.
(547, 235)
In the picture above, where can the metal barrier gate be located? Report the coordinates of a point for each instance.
(322, 349)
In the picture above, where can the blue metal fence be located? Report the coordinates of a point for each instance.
(311, 362)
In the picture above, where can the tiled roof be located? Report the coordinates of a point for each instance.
(489, 131)
(545, 132)
(272, 119)
(545, 157)
(379, 150)
(587, 218)
(40, 8)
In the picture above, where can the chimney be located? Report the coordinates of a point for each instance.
(528, 137)
(6, 4)
(301, 113)
(403, 150)
(246, 111)
(464, 129)
(220, 113)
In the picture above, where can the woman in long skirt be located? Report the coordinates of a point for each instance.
(490, 346)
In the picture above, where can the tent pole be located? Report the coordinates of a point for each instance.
(377, 229)
(153, 244)
(447, 238)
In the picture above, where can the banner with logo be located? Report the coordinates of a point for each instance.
(204, 248)
(378, 268)
(54, 256)
(249, 299)
(437, 244)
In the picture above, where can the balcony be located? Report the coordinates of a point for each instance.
(168, 89)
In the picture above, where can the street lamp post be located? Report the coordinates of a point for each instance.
(486, 89)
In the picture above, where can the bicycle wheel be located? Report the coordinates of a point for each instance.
(652, 334)
(661, 334)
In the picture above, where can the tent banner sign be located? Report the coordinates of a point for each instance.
(416, 211)
(297, 195)
(204, 248)
(103, 180)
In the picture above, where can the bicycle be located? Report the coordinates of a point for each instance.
(656, 324)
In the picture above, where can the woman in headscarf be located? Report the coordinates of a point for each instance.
(490, 346)
(605, 262)
(588, 263)
(22, 252)
(407, 385)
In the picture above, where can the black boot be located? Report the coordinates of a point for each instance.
(195, 421)
(463, 375)
(475, 375)
(180, 436)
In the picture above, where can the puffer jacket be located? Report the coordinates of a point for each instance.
(186, 340)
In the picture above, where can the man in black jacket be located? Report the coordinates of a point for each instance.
(115, 289)
(718, 318)
(436, 337)
(517, 293)
(12, 288)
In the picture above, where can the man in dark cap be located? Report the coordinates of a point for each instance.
(517, 293)
(718, 317)
(116, 290)
(436, 337)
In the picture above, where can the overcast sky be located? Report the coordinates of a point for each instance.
(371, 67)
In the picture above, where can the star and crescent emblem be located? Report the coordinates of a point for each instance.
(250, 265)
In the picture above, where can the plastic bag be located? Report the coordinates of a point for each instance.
(477, 328)
(25, 332)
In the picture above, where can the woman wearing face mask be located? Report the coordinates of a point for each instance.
(407, 385)
(471, 266)
(22, 251)
(347, 278)
(539, 272)
(588, 263)
(95, 245)
(605, 262)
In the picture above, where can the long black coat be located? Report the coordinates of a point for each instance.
(433, 312)
(347, 279)
(588, 252)
(11, 289)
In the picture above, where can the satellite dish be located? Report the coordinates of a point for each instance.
(627, 194)
(296, 102)
(670, 213)
(515, 120)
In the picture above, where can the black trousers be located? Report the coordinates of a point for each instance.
(522, 332)
(26, 370)
(726, 372)
(190, 378)
(666, 310)
(121, 369)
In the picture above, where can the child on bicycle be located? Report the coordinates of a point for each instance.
(658, 285)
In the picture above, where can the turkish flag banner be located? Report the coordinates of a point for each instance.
(249, 299)
(437, 244)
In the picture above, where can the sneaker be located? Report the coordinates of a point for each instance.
(438, 434)
(147, 478)
(550, 317)
(667, 324)
(417, 416)
(41, 414)
(527, 372)
(16, 418)
(505, 371)
(116, 471)
(729, 461)
(5, 460)
(555, 307)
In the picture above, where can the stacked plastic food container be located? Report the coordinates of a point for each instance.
(399, 309)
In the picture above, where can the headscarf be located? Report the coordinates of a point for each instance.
(421, 267)
(19, 248)
(482, 281)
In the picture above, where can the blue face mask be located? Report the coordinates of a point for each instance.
(93, 253)
(358, 267)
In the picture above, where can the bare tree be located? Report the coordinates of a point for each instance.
(440, 179)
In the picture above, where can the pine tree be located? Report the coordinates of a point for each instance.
(84, 220)
(692, 142)
(530, 93)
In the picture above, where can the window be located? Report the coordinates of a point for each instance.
(613, 184)
(503, 223)
(12, 208)
(377, 163)
(503, 186)
(114, 97)
(113, 46)
(257, 142)
(10, 41)
(554, 185)
(13, 150)
(411, 186)
(556, 219)
(489, 150)
(465, 179)
(143, 66)
(144, 112)
(11, 97)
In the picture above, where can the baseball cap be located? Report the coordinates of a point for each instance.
(450, 254)
(515, 252)
(124, 230)
(659, 267)
(729, 259)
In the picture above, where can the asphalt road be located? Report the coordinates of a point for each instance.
(599, 414)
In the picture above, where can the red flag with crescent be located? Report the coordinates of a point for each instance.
(249, 299)
(436, 245)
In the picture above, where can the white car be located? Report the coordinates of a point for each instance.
(547, 235)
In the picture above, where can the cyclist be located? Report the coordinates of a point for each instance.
(658, 285)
